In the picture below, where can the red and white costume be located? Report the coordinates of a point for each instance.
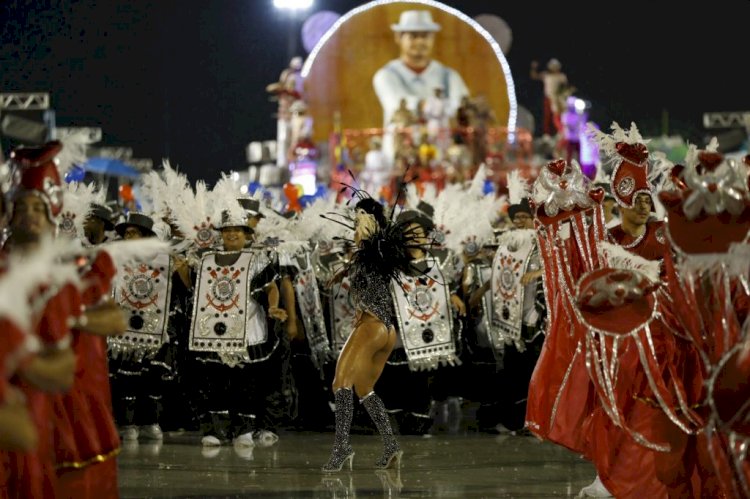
(86, 441)
(708, 225)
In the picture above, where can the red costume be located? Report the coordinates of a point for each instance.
(640, 435)
(32, 474)
(569, 225)
(16, 348)
(85, 436)
(708, 224)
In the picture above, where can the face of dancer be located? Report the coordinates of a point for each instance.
(131, 233)
(416, 47)
(639, 213)
(93, 228)
(234, 238)
(523, 220)
(30, 220)
(252, 221)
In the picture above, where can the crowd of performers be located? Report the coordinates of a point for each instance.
(622, 340)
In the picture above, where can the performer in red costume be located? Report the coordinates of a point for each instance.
(17, 430)
(81, 422)
(641, 433)
(708, 211)
(37, 202)
(85, 437)
(569, 224)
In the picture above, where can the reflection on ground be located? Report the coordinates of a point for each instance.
(442, 466)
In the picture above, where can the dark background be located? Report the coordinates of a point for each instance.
(186, 79)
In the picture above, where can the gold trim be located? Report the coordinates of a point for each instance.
(99, 458)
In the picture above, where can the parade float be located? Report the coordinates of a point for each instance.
(387, 88)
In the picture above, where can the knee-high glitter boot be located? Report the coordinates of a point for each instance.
(391, 450)
(342, 451)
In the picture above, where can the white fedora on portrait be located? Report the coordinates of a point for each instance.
(415, 20)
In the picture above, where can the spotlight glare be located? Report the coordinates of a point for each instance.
(293, 4)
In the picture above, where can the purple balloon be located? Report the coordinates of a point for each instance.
(316, 26)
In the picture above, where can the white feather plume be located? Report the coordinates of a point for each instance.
(734, 263)
(691, 156)
(223, 201)
(517, 237)
(462, 215)
(660, 173)
(28, 272)
(518, 187)
(311, 226)
(412, 195)
(713, 145)
(123, 252)
(477, 183)
(608, 142)
(162, 229)
(619, 258)
(163, 190)
(192, 211)
(73, 151)
(78, 200)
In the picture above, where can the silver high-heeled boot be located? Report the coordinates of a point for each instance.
(342, 451)
(391, 450)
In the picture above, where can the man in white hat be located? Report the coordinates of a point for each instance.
(415, 75)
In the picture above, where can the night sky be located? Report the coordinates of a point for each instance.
(186, 79)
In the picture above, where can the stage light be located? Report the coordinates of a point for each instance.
(580, 105)
(293, 4)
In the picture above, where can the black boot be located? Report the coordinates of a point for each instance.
(391, 450)
(342, 450)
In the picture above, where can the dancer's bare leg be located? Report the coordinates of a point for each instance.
(364, 356)
(359, 366)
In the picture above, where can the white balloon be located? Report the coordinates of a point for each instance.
(498, 28)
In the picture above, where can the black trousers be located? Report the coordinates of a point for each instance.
(232, 401)
(137, 388)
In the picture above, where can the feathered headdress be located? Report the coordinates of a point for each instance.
(385, 247)
(163, 190)
(608, 142)
(311, 226)
(194, 217)
(73, 152)
(225, 207)
(628, 153)
(78, 201)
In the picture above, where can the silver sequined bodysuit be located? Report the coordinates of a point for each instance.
(371, 292)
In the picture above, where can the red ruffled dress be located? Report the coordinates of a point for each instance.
(561, 396)
(649, 452)
(85, 435)
(32, 474)
(16, 348)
